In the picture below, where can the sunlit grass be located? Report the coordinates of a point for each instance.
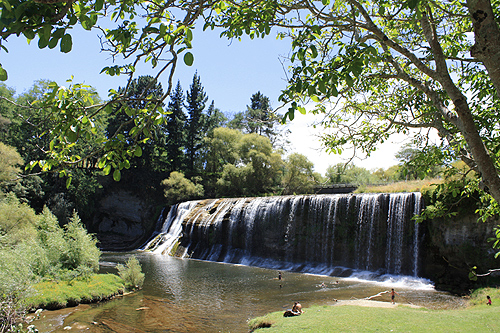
(404, 186)
(58, 294)
(475, 318)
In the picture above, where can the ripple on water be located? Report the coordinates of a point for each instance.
(182, 295)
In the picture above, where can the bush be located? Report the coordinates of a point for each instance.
(178, 188)
(131, 273)
(83, 254)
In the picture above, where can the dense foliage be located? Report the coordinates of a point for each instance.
(374, 68)
(34, 247)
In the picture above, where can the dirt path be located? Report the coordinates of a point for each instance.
(371, 303)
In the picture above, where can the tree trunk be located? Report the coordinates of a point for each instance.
(487, 50)
(487, 38)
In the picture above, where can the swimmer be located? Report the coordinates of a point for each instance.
(393, 295)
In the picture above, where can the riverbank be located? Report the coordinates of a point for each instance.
(60, 294)
(370, 316)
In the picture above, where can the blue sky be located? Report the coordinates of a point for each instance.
(230, 73)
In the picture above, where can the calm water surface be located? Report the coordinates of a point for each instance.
(181, 295)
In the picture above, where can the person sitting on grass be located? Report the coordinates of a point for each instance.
(297, 308)
(489, 300)
(295, 311)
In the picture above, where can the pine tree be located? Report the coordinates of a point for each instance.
(215, 118)
(260, 117)
(196, 99)
(176, 137)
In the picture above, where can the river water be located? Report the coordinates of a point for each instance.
(185, 295)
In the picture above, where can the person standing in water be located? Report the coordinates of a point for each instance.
(393, 293)
(279, 276)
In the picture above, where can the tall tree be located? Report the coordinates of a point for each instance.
(176, 137)
(245, 164)
(215, 118)
(299, 175)
(196, 99)
(349, 174)
(394, 65)
(260, 117)
(141, 92)
(389, 67)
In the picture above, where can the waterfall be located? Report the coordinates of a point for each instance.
(163, 241)
(326, 234)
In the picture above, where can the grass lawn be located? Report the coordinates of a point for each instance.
(58, 294)
(478, 317)
(402, 186)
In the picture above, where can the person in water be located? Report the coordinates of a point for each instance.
(393, 293)
(489, 300)
(279, 276)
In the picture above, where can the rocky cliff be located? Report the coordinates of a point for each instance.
(124, 220)
(452, 247)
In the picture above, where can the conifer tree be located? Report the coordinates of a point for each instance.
(176, 137)
(196, 99)
(215, 118)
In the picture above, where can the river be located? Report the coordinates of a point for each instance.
(185, 295)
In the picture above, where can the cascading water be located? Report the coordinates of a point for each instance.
(325, 234)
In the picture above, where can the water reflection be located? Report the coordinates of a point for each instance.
(181, 295)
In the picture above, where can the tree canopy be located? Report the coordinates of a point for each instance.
(374, 68)
(377, 68)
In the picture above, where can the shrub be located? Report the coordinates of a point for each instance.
(178, 188)
(131, 273)
(83, 254)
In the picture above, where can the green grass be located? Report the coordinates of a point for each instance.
(409, 186)
(59, 294)
(349, 318)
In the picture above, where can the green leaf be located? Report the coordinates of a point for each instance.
(42, 43)
(66, 43)
(102, 162)
(71, 135)
(314, 51)
(29, 34)
(85, 22)
(7, 5)
(3, 74)
(322, 87)
(53, 42)
(129, 111)
(68, 182)
(334, 90)
(412, 4)
(189, 35)
(117, 175)
(138, 151)
(107, 169)
(188, 58)
(349, 80)
(98, 5)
